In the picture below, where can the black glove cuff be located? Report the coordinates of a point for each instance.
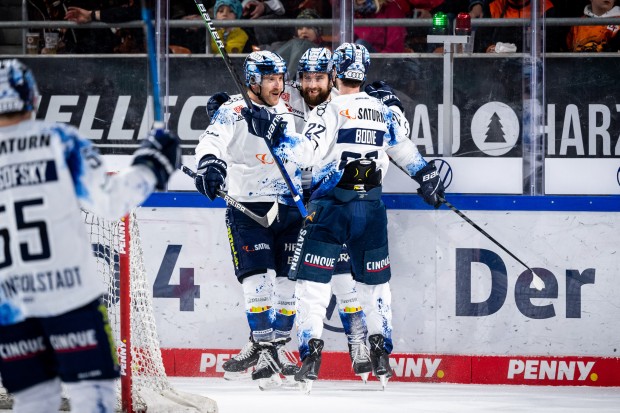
(426, 174)
(212, 160)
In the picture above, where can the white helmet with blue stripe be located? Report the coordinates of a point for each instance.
(315, 59)
(18, 89)
(351, 62)
(262, 63)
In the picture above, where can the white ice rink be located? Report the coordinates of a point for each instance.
(355, 397)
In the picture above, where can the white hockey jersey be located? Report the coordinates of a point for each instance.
(347, 128)
(47, 173)
(252, 175)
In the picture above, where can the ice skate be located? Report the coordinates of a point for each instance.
(360, 360)
(267, 370)
(239, 367)
(380, 359)
(309, 370)
(287, 362)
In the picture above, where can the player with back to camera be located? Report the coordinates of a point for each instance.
(53, 325)
(348, 142)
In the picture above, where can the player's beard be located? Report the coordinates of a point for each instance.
(317, 99)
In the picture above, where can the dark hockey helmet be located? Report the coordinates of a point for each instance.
(315, 59)
(262, 63)
(351, 62)
(18, 89)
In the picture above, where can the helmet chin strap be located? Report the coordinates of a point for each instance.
(258, 95)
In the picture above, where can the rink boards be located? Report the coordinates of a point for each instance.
(463, 309)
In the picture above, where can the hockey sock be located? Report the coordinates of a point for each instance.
(284, 307)
(43, 397)
(312, 301)
(92, 396)
(349, 308)
(258, 292)
(376, 301)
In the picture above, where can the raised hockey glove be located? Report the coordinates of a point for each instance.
(265, 124)
(210, 176)
(161, 153)
(214, 103)
(384, 93)
(431, 187)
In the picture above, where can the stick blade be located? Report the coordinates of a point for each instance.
(272, 214)
(537, 282)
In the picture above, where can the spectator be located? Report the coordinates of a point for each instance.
(192, 38)
(234, 38)
(389, 39)
(596, 38)
(307, 37)
(269, 9)
(97, 40)
(487, 37)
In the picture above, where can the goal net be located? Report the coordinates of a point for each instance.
(143, 385)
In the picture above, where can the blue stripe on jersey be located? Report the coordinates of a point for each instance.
(74, 159)
(361, 136)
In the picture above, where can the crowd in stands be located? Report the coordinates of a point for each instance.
(292, 42)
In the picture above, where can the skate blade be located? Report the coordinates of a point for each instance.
(384, 380)
(269, 383)
(289, 382)
(306, 386)
(238, 375)
(364, 376)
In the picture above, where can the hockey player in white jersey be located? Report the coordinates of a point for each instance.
(53, 326)
(260, 255)
(314, 86)
(347, 141)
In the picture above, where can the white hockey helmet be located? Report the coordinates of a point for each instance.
(315, 59)
(262, 63)
(18, 89)
(351, 62)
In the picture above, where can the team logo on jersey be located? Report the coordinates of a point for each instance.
(238, 108)
(262, 157)
(345, 113)
(286, 96)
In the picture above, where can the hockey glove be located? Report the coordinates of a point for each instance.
(431, 187)
(215, 102)
(210, 176)
(265, 124)
(384, 93)
(161, 153)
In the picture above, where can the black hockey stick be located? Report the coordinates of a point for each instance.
(220, 46)
(537, 282)
(265, 220)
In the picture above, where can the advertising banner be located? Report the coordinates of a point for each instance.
(463, 308)
(107, 99)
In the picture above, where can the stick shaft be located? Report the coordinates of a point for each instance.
(241, 87)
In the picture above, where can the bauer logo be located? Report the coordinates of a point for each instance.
(552, 370)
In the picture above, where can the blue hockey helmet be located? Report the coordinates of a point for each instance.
(262, 63)
(351, 62)
(315, 59)
(18, 89)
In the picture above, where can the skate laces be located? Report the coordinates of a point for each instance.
(359, 353)
(265, 360)
(285, 356)
(246, 352)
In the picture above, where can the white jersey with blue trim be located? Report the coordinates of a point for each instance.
(252, 175)
(347, 128)
(47, 174)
